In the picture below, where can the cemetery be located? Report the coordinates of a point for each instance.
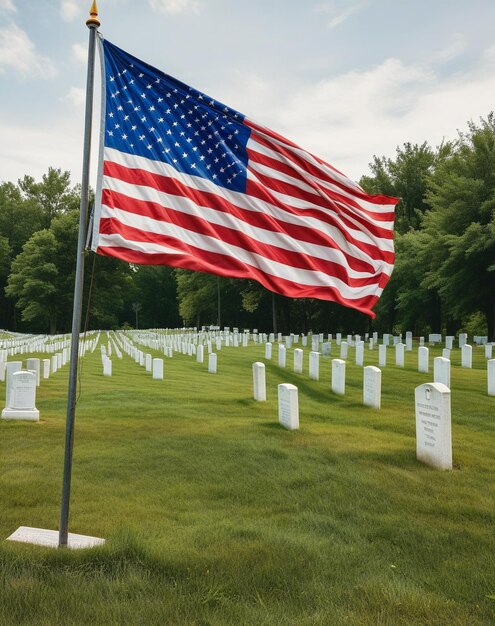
(327, 459)
(230, 486)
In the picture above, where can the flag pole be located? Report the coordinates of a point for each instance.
(92, 23)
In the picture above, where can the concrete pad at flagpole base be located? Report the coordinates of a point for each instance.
(49, 538)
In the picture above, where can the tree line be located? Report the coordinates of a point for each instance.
(443, 281)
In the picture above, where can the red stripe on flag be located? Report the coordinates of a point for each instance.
(214, 263)
(230, 236)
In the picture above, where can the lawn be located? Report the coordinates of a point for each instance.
(214, 514)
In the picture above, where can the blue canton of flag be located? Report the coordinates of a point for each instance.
(153, 115)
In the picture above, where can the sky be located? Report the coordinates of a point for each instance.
(346, 80)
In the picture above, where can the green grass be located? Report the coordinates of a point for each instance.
(214, 514)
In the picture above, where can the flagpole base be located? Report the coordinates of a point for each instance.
(49, 538)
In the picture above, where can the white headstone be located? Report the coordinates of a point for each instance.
(288, 406)
(282, 355)
(399, 354)
(107, 366)
(34, 364)
(315, 343)
(46, 368)
(338, 376)
(212, 363)
(423, 358)
(490, 371)
(372, 386)
(409, 340)
(22, 399)
(382, 355)
(298, 360)
(268, 351)
(54, 363)
(338, 338)
(441, 371)
(259, 382)
(360, 353)
(449, 342)
(462, 339)
(200, 352)
(446, 353)
(149, 362)
(314, 365)
(157, 369)
(488, 350)
(433, 425)
(467, 356)
(343, 349)
(304, 341)
(326, 348)
(11, 368)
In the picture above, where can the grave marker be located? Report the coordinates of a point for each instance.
(157, 369)
(338, 376)
(423, 358)
(372, 386)
(441, 371)
(212, 363)
(298, 360)
(22, 398)
(490, 372)
(433, 425)
(288, 406)
(382, 355)
(314, 365)
(259, 382)
(467, 356)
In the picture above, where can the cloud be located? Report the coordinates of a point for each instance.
(8, 5)
(338, 16)
(347, 118)
(80, 52)
(174, 7)
(70, 10)
(76, 96)
(453, 50)
(31, 150)
(17, 52)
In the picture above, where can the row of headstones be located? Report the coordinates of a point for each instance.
(441, 365)
(155, 365)
(20, 397)
(372, 382)
(432, 412)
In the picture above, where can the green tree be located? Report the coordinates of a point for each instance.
(34, 280)
(52, 196)
(462, 222)
(155, 288)
(197, 293)
(405, 178)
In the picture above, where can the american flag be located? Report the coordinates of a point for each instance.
(189, 182)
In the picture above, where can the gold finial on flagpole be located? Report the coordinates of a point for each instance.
(93, 16)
